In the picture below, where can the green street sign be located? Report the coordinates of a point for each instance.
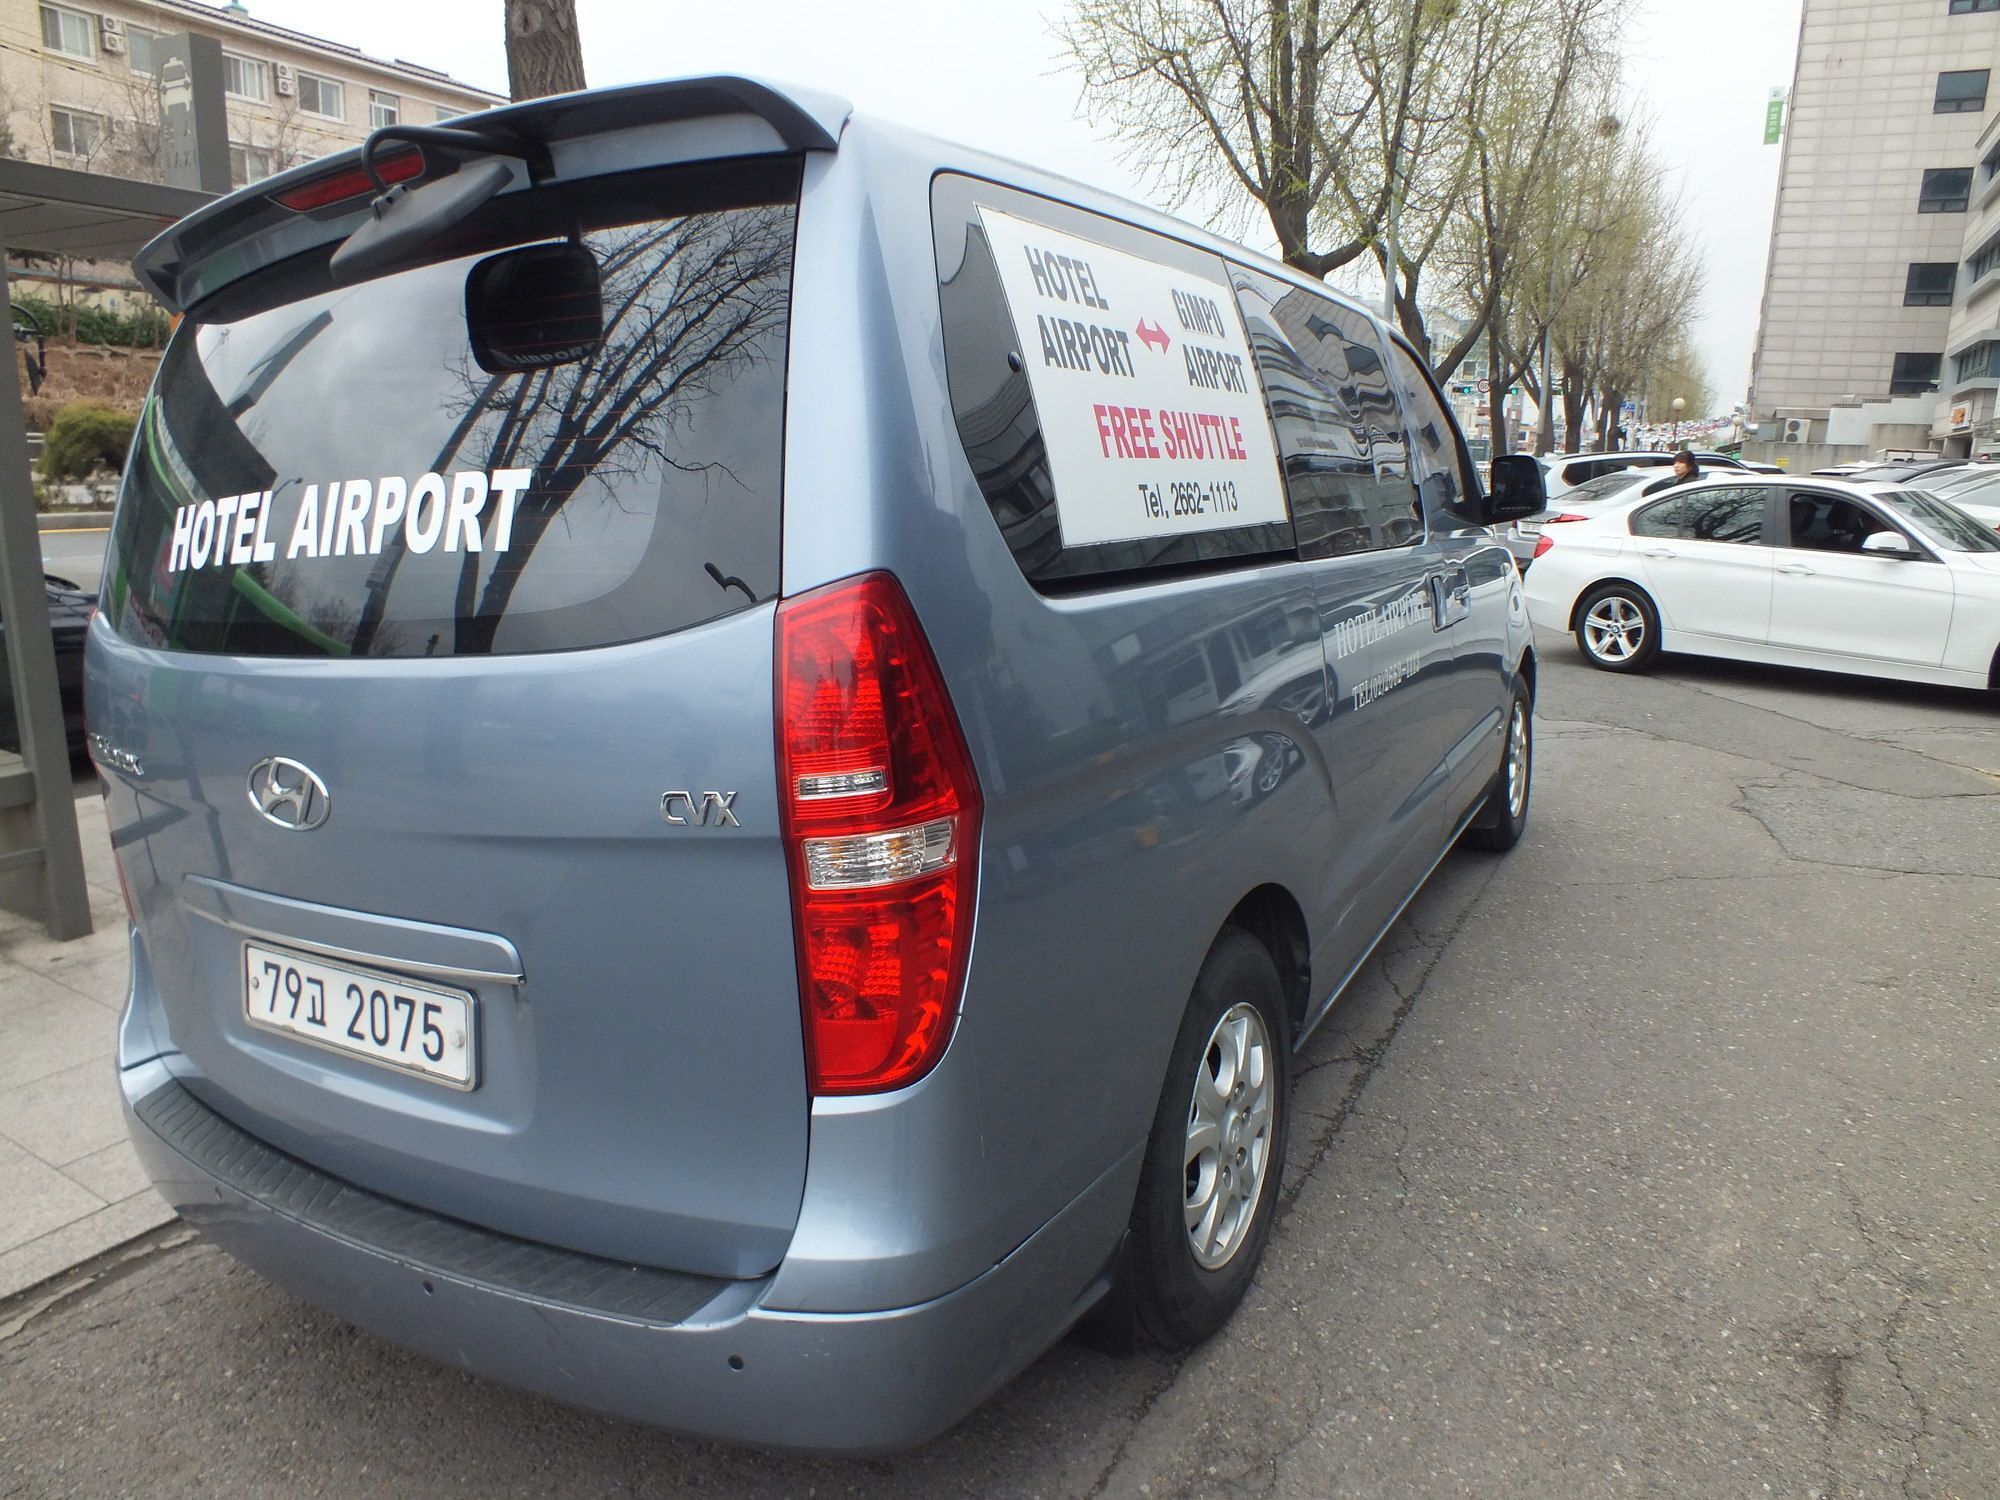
(1774, 117)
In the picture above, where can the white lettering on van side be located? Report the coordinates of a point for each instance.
(1377, 624)
(468, 510)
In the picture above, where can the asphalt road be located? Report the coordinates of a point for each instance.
(75, 555)
(1656, 1158)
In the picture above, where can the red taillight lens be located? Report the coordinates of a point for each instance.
(395, 167)
(881, 811)
(1542, 544)
(1568, 515)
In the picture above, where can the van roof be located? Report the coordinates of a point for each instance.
(188, 261)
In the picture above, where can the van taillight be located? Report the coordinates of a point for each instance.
(881, 816)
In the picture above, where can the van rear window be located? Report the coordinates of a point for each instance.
(356, 471)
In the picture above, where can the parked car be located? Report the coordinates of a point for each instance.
(1944, 483)
(1816, 573)
(1980, 501)
(780, 857)
(1897, 472)
(1565, 471)
(70, 608)
(1523, 535)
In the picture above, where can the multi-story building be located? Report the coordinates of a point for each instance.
(1880, 154)
(77, 86)
(1967, 424)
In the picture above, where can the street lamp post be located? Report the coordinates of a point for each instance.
(1680, 405)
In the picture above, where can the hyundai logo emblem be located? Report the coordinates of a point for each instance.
(288, 794)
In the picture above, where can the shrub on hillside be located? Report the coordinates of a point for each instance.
(85, 436)
(145, 328)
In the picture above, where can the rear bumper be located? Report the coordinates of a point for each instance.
(693, 1354)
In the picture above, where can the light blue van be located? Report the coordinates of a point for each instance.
(741, 741)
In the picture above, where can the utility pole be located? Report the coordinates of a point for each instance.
(544, 50)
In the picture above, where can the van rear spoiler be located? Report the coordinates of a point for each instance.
(690, 119)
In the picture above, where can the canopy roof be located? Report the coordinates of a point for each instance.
(58, 211)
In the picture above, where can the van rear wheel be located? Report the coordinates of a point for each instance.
(1209, 1187)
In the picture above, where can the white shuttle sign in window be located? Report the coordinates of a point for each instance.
(1142, 376)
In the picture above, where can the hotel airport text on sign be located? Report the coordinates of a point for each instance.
(1150, 408)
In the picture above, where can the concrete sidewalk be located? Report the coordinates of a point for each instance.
(70, 1185)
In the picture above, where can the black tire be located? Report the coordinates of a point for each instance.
(1180, 1301)
(1640, 640)
(1504, 819)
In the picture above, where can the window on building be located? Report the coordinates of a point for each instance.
(1980, 362)
(142, 50)
(75, 132)
(383, 109)
(246, 77)
(1913, 374)
(68, 31)
(1946, 190)
(1986, 261)
(1989, 164)
(248, 164)
(1930, 283)
(1971, 7)
(1961, 93)
(322, 96)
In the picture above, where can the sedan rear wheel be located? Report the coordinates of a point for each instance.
(1618, 629)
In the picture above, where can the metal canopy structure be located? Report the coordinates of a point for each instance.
(86, 216)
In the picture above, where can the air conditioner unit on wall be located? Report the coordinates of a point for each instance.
(113, 43)
(1795, 431)
(288, 81)
(110, 26)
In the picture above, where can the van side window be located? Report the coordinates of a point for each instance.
(1340, 426)
(1721, 515)
(1437, 453)
(993, 402)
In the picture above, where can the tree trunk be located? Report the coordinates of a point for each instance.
(544, 52)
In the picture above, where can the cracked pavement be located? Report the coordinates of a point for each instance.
(1656, 1158)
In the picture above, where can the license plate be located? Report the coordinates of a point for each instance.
(424, 1029)
(1530, 528)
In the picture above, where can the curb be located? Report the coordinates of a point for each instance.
(77, 520)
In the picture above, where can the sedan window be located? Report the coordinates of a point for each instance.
(1827, 523)
(1706, 515)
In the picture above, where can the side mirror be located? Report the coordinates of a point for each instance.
(1518, 488)
(1889, 544)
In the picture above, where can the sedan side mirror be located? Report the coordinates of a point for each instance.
(1889, 544)
(1518, 489)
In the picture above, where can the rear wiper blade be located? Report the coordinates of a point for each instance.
(404, 221)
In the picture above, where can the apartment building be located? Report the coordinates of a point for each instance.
(77, 86)
(1967, 424)
(1882, 147)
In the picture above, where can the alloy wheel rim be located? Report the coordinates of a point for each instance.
(1517, 762)
(1614, 629)
(1228, 1137)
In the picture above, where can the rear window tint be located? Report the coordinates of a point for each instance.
(336, 471)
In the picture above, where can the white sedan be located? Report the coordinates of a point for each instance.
(1797, 572)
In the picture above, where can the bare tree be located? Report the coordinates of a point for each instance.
(544, 48)
(1333, 116)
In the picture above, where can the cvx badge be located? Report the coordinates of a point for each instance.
(288, 794)
(699, 809)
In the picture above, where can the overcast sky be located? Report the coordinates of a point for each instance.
(989, 74)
